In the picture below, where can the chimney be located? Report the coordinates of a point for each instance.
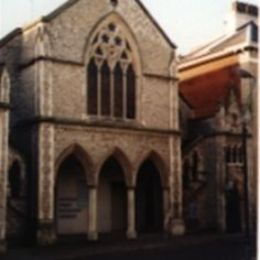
(240, 14)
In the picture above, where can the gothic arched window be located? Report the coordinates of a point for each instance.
(118, 91)
(105, 90)
(111, 75)
(92, 87)
(130, 92)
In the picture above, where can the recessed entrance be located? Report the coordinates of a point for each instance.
(71, 198)
(16, 217)
(112, 203)
(149, 206)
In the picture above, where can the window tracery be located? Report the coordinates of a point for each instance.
(111, 76)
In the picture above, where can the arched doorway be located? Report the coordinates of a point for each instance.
(149, 201)
(71, 198)
(112, 202)
(16, 203)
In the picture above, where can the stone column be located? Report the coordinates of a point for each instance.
(3, 176)
(166, 207)
(45, 140)
(46, 228)
(92, 214)
(131, 231)
(176, 223)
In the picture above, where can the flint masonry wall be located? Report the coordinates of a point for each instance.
(64, 39)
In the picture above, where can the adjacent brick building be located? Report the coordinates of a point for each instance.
(218, 83)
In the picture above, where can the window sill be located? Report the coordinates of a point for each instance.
(109, 121)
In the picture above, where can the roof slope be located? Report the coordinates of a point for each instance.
(224, 42)
(52, 15)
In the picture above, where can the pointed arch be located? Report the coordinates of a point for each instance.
(16, 156)
(151, 180)
(113, 48)
(112, 192)
(17, 171)
(159, 163)
(122, 160)
(82, 156)
(115, 18)
(71, 191)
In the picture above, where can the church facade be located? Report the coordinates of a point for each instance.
(104, 131)
(94, 138)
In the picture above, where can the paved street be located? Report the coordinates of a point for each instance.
(199, 247)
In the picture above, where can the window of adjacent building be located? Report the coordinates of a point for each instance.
(195, 159)
(111, 76)
(228, 155)
(241, 7)
(234, 154)
(253, 10)
(186, 174)
(254, 33)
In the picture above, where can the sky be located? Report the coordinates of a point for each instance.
(188, 23)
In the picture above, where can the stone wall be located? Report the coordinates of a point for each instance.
(100, 143)
(48, 60)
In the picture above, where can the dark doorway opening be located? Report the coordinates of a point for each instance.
(71, 198)
(112, 199)
(17, 216)
(149, 202)
(233, 212)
